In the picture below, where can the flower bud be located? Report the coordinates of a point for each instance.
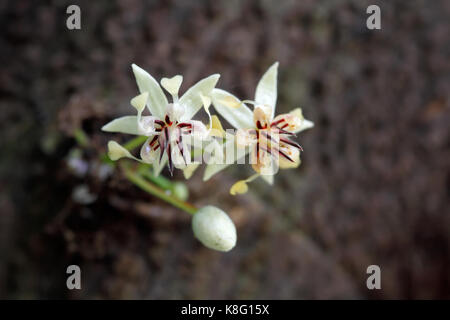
(214, 229)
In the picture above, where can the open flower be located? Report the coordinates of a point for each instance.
(169, 124)
(267, 138)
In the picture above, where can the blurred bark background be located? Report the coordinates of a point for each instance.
(373, 187)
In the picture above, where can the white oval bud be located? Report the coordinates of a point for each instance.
(214, 229)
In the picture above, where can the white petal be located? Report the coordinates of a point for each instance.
(268, 178)
(199, 130)
(213, 168)
(175, 111)
(192, 101)
(147, 125)
(206, 101)
(132, 125)
(158, 166)
(230, 107)
(157, 101)
(127, 124)
(305, 125)
(139, 101)
(116, 152)
(266, 90)
(189, 170)
(179, 161)
(149, 155)
(172, 85)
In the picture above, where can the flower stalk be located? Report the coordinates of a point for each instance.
(139, 181)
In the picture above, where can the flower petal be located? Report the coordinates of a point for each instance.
(174, 111)
(158, 166)
(139, 102)
(216, 129)
(127, 124)
(239, 187)
(172, 85)
(132, 125)
(260, 118)
(192, 101)
(268, 178)
(231, 108)
(206, 101)
(157, 101)
(292, 153)
(149, 154)
(266, 90)
(265, 164)
(190, 169)
(306, 124)
(198, 129)
(213, 168)
(245, 138)
(116, 152)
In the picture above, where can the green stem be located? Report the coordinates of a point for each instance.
(160, 181)
(154, 190)
(135, 142)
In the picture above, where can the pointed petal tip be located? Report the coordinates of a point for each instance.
(106, 127)
(215, 76)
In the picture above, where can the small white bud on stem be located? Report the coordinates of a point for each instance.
(214, 229)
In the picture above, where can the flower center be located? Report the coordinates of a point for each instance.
(170, 136)
(273, 141)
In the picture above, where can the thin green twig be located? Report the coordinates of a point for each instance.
(135, 142)
(139, 181)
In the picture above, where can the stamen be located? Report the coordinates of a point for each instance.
(180, 146)
(167, 119)
(292, 143)
(277, 122)
(281, 131)
(257, 146)
(160, 122)
(163, 147)
(268, 136)
(153, 141)
(184, 124)
(284, 155)
(165, 143)
(259, 125)
(169, 155)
